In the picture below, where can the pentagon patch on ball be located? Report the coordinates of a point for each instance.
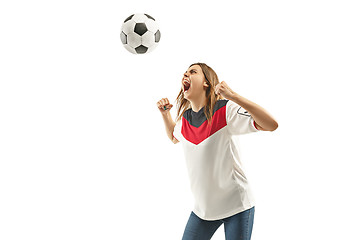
(140, 33)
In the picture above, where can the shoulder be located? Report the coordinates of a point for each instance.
(230, 103)
(235, 109)
(220, 103)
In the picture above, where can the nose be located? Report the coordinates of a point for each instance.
(186, 74)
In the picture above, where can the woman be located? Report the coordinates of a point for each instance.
(209, 115)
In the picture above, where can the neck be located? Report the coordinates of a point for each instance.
(197, 104)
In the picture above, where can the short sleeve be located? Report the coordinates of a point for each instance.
(177, 130)
(239, 121)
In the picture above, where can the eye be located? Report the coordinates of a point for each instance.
(192, 71)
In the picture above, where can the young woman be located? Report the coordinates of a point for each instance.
(209, 115)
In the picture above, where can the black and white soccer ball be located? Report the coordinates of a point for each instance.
(140, 33)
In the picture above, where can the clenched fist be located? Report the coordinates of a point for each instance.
(224, 90)
(164, 105)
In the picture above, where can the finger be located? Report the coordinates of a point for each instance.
(163, 102)
(220, 90)
(159, 105)
(225, 85)
(216, 88)
(169, 106)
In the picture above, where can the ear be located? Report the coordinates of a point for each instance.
(205, 84)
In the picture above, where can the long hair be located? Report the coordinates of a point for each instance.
(212, 80)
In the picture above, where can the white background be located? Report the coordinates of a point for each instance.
(83, 149)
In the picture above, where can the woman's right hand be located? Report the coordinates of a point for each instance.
(164, 105)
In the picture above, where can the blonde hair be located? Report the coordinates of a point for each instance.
(212, 80)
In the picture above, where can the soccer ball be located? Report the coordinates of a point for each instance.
(140, 33)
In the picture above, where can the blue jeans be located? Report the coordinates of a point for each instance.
(237, 227)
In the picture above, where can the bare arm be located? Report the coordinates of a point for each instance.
(263, 120)
(168, 121)
(169, 126)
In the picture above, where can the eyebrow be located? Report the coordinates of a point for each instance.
(192, 69)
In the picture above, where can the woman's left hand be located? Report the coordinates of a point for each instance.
(224, 90)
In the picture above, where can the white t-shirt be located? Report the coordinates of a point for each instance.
(218, 183)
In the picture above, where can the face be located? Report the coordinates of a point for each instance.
(193, 82)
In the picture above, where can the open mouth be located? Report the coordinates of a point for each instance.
(186, 85)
